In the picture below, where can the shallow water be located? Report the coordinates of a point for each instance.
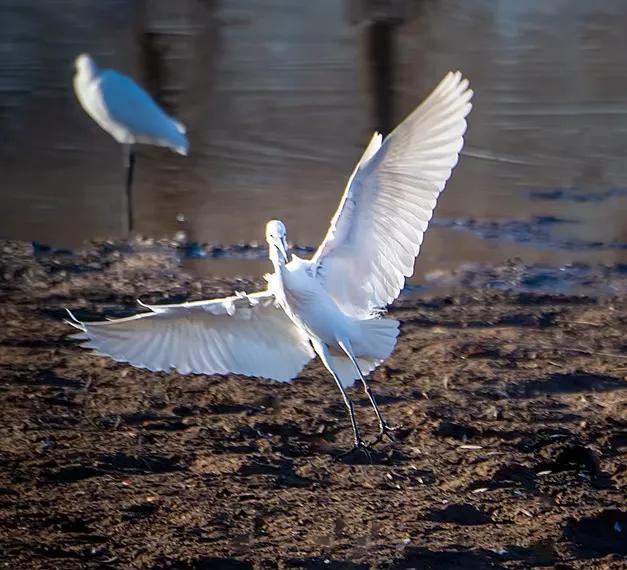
(280, 98)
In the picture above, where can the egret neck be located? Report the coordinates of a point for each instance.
(276, 236)
(86, 68)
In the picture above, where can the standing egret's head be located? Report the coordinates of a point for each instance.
(276, 236)
(85, 66)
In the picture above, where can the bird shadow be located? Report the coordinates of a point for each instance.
(454, 557)
(570, 383)
(367, 456)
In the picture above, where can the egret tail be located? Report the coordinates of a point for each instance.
(372, 345)
(377, 338)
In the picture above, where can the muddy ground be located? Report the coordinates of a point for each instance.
(512, 452)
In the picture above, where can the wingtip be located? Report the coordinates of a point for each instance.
(456, 77)
(180, 127)
(151, 308)
(179, 143)
(73, 321)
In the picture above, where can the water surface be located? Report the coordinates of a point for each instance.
(280, 98)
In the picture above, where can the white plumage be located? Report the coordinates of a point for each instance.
(124, 109)
(377, 231)
(241, 334)
(329, 305)
(127, 113)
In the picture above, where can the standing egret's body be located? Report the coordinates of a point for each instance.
(331, 304)
(127, 113)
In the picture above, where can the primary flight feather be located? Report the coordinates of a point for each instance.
(329, 305)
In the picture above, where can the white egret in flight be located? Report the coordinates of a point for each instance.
(331, 304)
(127, 113)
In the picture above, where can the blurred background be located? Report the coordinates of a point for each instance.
(281, 96)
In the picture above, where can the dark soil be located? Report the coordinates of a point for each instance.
(511, 455)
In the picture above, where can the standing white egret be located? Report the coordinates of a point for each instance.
(127, 113)
(329, 305)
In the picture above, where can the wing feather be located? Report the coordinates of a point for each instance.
(377, 230)
(241, 334)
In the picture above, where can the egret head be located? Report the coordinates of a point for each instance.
(276, 236)
(85, 66)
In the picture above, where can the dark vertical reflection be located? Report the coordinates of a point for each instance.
(179, 45)
(151, 64)
(383, 20)
(382, 57)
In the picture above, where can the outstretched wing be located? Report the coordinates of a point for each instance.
(378, 228)
(131, 106)
(244, 334)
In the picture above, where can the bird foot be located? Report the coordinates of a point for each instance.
(386, 430)
(359, 447)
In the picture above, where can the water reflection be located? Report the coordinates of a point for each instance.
(280, 99)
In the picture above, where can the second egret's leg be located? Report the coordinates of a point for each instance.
(384, 428)
(323, 352)
(129, 164)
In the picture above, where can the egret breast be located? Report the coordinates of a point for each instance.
(90, 95)
(311, 308)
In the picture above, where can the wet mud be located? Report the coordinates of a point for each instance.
(511, 455)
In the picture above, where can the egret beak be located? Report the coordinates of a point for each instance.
(281, 245)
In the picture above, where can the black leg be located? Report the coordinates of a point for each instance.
(384, 428)
(129, 163)
(323, 353)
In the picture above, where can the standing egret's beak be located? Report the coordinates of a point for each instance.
(281, 245)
